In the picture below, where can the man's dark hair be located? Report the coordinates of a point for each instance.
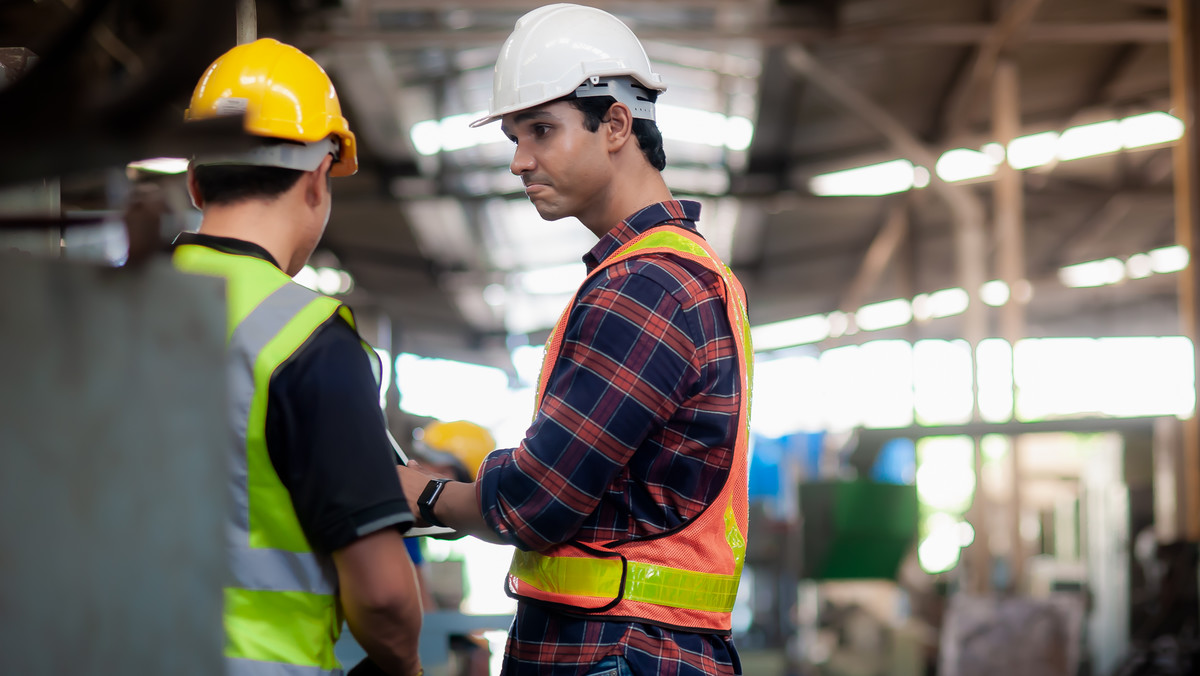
(649, 138)
(223, 184)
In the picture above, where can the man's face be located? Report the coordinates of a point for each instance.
(564, 166)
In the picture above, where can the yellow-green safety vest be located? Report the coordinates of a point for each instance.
(282, 616)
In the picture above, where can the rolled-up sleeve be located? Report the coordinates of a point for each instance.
(625, 366)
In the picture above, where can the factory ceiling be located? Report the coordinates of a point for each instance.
(767, 99)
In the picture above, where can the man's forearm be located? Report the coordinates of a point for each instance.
(459, 509)
(456, 507)
(388, 637)
(381, 600)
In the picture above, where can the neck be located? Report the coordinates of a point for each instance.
(633, 188)
(260, 223)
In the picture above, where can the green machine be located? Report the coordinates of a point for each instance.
(853, 530)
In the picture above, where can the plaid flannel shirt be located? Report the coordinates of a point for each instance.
(634, 437)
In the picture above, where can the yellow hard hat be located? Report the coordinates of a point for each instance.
(465, 441)
(283, 94)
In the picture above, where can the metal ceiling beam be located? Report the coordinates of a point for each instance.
(1098, 222)
(1111, 73)
(933, 34)
(247, 21)
(1007, 32)
(110, 43)
(526, 5)
(968, 211)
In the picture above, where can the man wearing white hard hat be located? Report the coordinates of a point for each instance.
(626, 499)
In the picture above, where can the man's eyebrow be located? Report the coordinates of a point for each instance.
(531, 115)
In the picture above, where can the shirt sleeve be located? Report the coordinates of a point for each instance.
(625, 366)
(328, 442)
(413, 545)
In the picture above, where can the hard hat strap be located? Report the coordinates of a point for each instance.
(298, 156)
(639, 99)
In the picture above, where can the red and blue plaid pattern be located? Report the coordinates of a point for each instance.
(634, 438)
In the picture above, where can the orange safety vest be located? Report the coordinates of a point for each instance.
(683, 579)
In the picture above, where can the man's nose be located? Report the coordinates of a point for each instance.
(522, 162)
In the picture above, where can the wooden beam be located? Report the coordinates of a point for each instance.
(1009, 210)
(1185, 89)
(879, 254)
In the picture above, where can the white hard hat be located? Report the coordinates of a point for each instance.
(562, 49)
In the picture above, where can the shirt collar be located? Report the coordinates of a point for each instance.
(681, 213)
(225, 245)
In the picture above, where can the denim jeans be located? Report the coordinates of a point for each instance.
(611, 666)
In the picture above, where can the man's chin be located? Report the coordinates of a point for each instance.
(547, 213)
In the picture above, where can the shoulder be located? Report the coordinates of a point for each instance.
(335, 333)
(686, 281)
(333, 353)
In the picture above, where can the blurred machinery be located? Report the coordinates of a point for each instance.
(121, 559)
(834, 561)
(824, 559)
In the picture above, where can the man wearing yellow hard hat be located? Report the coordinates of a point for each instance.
(315, 532)
(455, 448)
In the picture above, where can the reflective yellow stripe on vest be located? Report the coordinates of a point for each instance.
(648, 583)
(281, 614)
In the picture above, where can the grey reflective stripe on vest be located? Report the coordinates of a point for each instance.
(237, 666)
(252, 568)
(280, 570)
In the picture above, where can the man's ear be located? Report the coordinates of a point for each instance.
(317, 183)
(193, 188)
(620, 126)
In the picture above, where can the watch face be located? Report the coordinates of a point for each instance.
(428, 497)
(432, 490)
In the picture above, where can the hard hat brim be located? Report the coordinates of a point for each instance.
(624, 95)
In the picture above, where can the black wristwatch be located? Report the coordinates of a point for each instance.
(429, 496)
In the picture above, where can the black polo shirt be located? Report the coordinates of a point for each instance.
(326, 434)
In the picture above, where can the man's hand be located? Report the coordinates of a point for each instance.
(413, 479)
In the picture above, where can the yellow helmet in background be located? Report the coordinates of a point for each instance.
(283, 94)
(466, 442)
